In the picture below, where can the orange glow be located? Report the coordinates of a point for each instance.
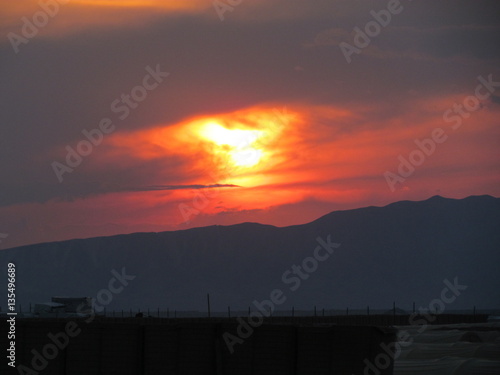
(238, 144)
(314, 159)
(279, 158)
(164, 4)
(241, 148)
(77, 15)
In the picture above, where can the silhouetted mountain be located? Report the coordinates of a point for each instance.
(401, 252)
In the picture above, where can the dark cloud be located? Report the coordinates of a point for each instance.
(57, 87)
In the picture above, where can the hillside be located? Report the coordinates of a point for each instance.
(401, 252)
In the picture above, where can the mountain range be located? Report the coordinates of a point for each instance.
(403, 252)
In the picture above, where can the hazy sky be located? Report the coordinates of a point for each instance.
(273, 111)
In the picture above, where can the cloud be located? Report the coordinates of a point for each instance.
(329, 158)
(82, 16)
(465, 43)
(178, 187)
(79, 15)
(495, 99)
(344, 124)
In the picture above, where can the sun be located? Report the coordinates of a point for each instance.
(237, 145)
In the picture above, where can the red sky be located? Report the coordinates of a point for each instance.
(260, 118)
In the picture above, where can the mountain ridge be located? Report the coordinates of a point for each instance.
(399, 252)
(264, 225)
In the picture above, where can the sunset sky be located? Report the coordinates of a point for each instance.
(269, 111)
